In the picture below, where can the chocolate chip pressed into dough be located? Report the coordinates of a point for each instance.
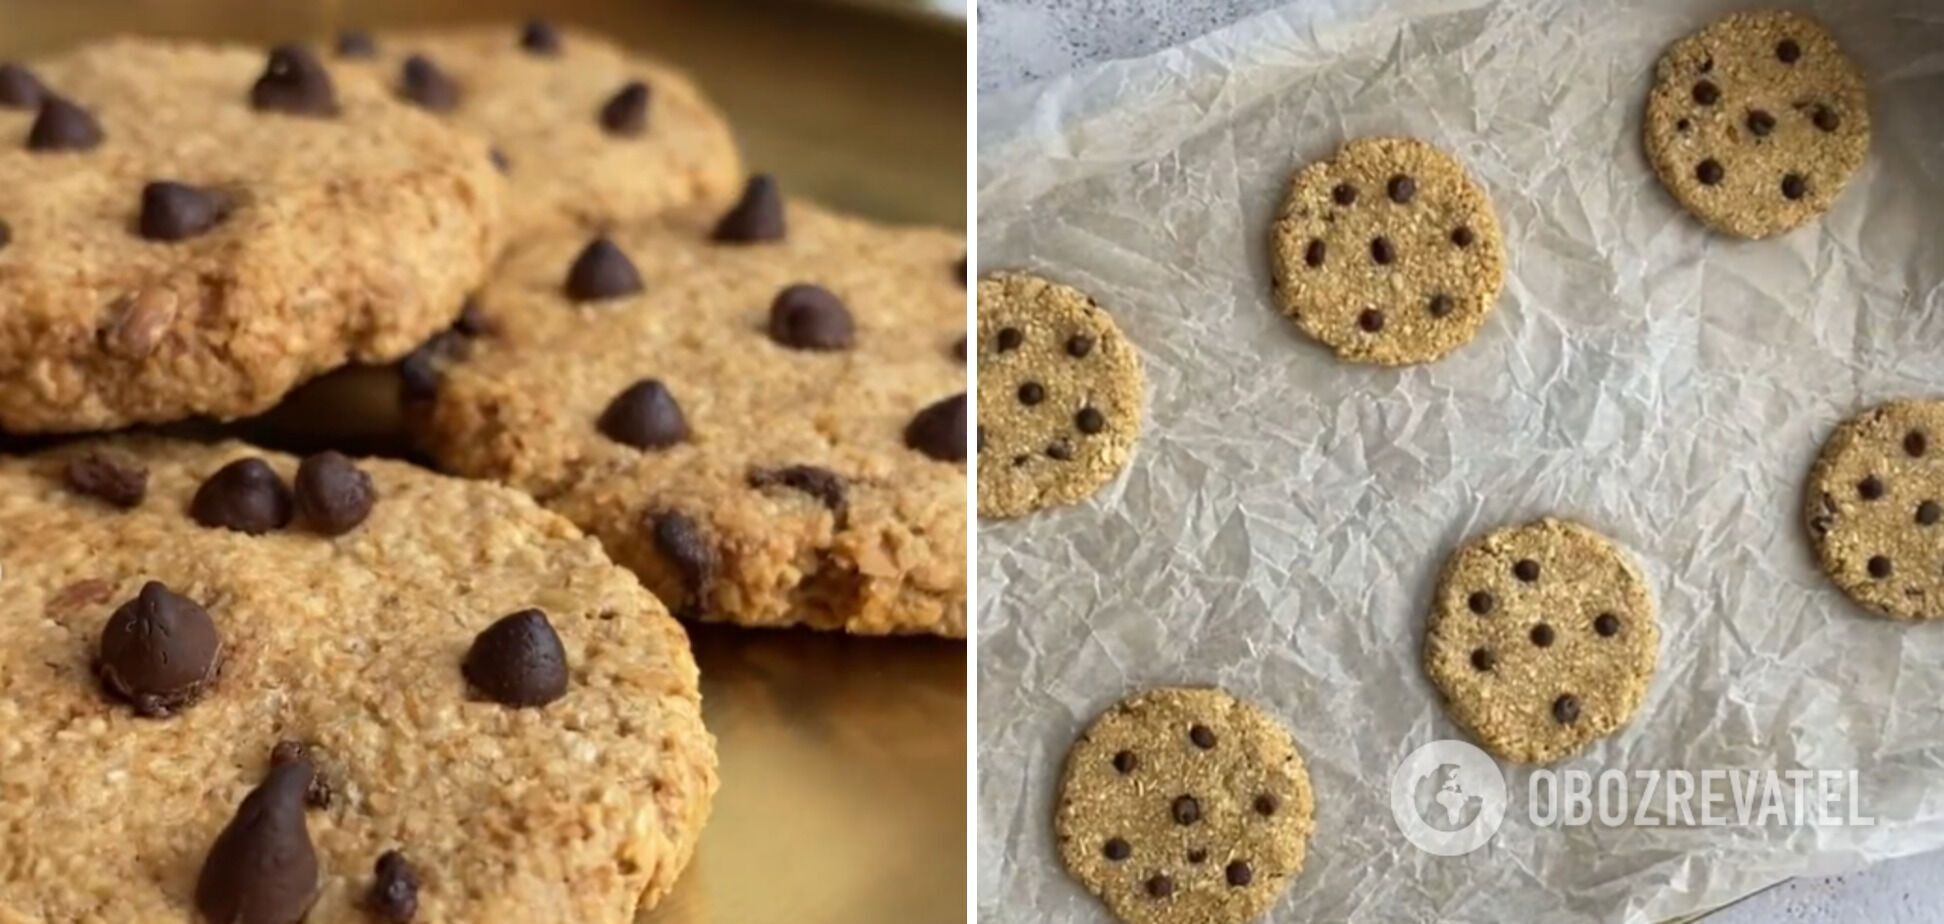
(1541, 639)
(1387, 252)
(1185, 806)
(1872, 506)
(1060, 393)
(1757, 122)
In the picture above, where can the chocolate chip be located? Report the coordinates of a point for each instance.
(1684, 126)
(1116, 849)
(1239, 874)
(1202, 736)
(19, 88)
(1125, 762)
(1079, 345)
(1266, 804)
(333, 495)
(174, 211)
(1031, 393)
(356, 43)
(644, 415)
(1709, 172)
(808, 317)
(159, 651)
(245, 495)
(938, 431)
(1060, 450)
(959, 272)
(958, 350)
(821, 483)
(1160, 886)
(1928, 512)
(107, 476)
(540, 37)
(1526, 570)
(1010, 339)
(626, 112)
(1826, 119)
(62, 126)
(1787, 51)
(499, 159)
(1440, 305)
(262, 868)
(1760, 123)
(1381, 251)
(757, 216)
(1607, 624)
(1314, 253)
(6, 234)
(1401, 188)
(288, 751)
(422, 82)
(1880, 567)
(1344, 194)
(1481, 602)
(682, 541)
(1566, 709)
(1198, 855)
(1915, 443)
(1185, 810)
(1089, 421)
(1706, 93)
(518, 661)
(1462, 236)
(419, 376)
(294, 82)
(1794, 186)
(1542, 635)
(1870, 488)
(602, 271)
(1482, 659)
(1370, 320)
(394, 888)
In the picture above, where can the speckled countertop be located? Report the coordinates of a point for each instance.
(1022, 41)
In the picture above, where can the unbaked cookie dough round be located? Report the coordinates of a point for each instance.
(1542, 639)
(1185, 805)
(1757, 122)
(1059, 395)
(1387, 253)
(1873, 507)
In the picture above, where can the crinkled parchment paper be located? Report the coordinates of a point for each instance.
(1283, 521)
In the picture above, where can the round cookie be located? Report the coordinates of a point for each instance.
(1873, 507)
(1387, 253)
(1185, 805)
(586, 132)
(195, 229)
(1059, 395)
(762, 411)
(1542, 638)
(491, 721)
(1757, 122)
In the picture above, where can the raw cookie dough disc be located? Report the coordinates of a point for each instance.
(1185, 805)
(579, 144)
(551, 770)
(197, 237)
(1756, 122)
(1059, 395)
(1387, 253)
(1542, 638)
(1873, 506)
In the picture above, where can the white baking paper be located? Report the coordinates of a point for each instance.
(1283, 521)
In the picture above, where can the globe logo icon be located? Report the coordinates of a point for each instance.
(1448, 798)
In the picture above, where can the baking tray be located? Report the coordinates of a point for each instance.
(843, 760)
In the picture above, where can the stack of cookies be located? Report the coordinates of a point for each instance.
(239, 686)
